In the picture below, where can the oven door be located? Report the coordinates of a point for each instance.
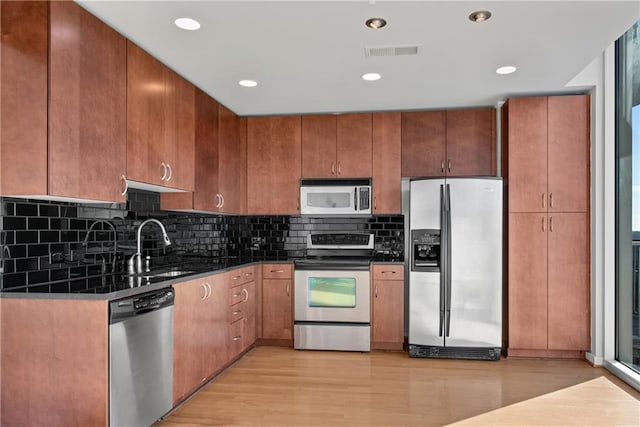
(328, 295)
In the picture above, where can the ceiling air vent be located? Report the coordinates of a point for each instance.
(390, 50)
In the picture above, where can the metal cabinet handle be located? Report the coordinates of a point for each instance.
(210, 290)
(442, 166)
(236, 277)
(221, 200)
(288, 289)
(543, 228)
(376, 292)
(388, 271)
(238, 294)
(550, 200)
(237, 312)
(163, 165)
(170, 172)
(449, 164)
(248, 274)
(339, 168)
(333, 168)
(277, 271)
(375, 203)
(246, 292)
(298, 204)
(544, 200)
(237, 338)
(551, 224)
(218, 200)
(204, 288)
(126, 185)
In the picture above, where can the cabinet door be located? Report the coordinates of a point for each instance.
(568, 153)
(179, 131)
(528, 280)
(423, 143)
(527, 154)
(277, 317)
(215, 325)
(273, 164)
(230, 162)
(387, 323)
(568, 288)
(206, 159)
(353, 152)
(319, 136)
(471, 142)
(250, 316)
(23, 94)
(387, 192)
(189, 316)
(87, 146)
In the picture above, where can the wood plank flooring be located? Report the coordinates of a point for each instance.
(273, 386)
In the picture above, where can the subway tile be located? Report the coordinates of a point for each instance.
(45, 289)
(49, 210)
(27, 264)
(38, 276)
(49, 236)
(8, 208)
(14, 223)
(25, 209)
(26, 237)
(37, 250)
(62, 287)
(14, 279)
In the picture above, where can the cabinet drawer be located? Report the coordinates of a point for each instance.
(237, 294)
(236, 312)
(241, 275)
(277, 271)
(388, 272)
(236, 330)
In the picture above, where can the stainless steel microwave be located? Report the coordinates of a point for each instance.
(344, 197)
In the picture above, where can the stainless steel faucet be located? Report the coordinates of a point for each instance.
(134, 265)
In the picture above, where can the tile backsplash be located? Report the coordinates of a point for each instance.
(68, 247)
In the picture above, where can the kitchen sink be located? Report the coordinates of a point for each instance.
(171, 273)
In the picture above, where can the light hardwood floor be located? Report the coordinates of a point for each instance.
(283, 387)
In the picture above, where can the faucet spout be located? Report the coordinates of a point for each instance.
(135, 262)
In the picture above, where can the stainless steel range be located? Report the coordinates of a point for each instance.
(332, 309)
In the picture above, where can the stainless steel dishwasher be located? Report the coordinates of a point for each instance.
(140, 358)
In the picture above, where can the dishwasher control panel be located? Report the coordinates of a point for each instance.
(140, 304)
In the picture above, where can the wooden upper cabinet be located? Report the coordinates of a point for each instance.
(527, 154)
(568, 153)
(319, 136)
(160, 123)
(423, 143)
(205, 196)
(336, 146)
(87, 146)
(52, 144)
(273, 164)
(386, 163)
(471, 142)
(231, 162)
(23, 97)
(354, 145)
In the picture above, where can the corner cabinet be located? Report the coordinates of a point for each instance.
(546, 146)
(387, 307)
(277, 304)
(449, 143)
(57, 58)
(160, 123)
(273, 165)
(336, 146)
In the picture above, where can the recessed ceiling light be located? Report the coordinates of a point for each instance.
(480, 16)
(370, 77)
(248, 83)
(375, 23)
(507, 69)
(187, 24)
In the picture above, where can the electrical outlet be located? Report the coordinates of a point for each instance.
(56, 257)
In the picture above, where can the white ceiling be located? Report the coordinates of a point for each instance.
(308, 56)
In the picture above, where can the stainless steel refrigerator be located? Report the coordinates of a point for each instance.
(455, 268)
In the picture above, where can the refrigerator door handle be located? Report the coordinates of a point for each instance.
(443, 252)
(448, 267)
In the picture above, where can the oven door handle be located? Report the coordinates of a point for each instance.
(331, 267)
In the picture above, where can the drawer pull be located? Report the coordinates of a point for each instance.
(238, 294)
(288, 290)
(236, 277)
(248, 274)
(246, 292)
(389, 271)
(237, 338)
(237, 312)
(277, 271)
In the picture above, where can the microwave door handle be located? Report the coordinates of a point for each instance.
(355, 199)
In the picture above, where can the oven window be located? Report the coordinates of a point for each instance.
(332, 292)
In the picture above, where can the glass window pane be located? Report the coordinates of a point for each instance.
(628, 197)
(332, 292)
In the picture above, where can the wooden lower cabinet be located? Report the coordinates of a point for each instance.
(548, 284)
(55, 362)
(387, 307)
(200, 333)
(277, 304)
(241, 311)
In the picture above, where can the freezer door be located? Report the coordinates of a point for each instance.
(425, 323)
(475, 264)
